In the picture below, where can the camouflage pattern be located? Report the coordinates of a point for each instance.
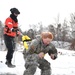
(32, 61)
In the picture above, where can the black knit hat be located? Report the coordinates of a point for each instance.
(14, 10)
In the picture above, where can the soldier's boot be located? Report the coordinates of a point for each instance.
(46, 72)
(9, 64)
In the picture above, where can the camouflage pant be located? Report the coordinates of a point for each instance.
(32, 62)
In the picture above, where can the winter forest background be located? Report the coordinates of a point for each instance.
(64, 33)
(64, 40)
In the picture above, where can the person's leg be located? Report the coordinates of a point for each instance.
(11, 49)
(30, 64)
(45, 67)
(9, 44)
(30, 70)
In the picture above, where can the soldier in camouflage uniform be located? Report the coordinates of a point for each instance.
(35, 55)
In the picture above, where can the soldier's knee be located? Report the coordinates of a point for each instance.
(31, 69)
(45, 67)
(46, 72)
(30, 64)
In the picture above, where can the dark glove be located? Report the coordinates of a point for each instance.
(54, 52)
(14, 30)
(55, 56)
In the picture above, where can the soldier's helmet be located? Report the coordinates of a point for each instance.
(47, 35)
(14, 10)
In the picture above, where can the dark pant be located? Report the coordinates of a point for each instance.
(10, 44)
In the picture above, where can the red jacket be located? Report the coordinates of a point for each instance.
(9, 25)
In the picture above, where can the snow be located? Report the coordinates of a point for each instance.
(63, 65)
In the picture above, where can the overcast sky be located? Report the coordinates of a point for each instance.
(35, 11)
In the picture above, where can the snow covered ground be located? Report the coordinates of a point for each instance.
(63, 65)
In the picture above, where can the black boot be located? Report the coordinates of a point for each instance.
(9, 64)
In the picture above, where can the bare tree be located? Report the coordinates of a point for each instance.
(72, 22)
(1, 34)
(40, 27)
(51, 28)
(58, 32)
(30, 33)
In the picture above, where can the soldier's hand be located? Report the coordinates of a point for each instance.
(41, 55)
(53, 56)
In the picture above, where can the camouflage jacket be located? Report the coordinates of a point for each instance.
(37, 46)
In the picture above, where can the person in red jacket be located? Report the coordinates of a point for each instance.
(10, 32)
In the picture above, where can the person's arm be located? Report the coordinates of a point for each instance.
(32, 46)
(9, 23)
(53, 52)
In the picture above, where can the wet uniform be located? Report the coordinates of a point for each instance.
(32, 61)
